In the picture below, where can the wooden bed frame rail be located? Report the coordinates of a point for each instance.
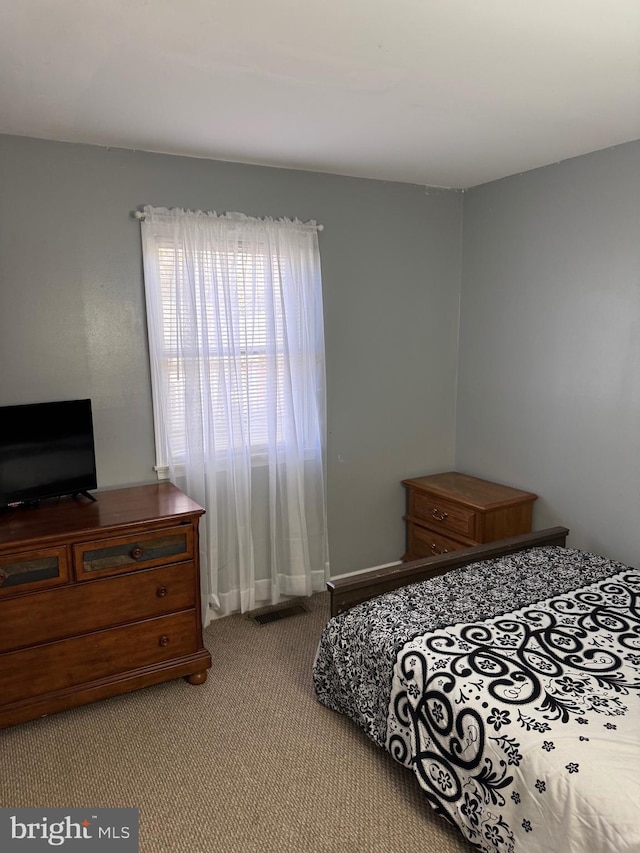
(347, 592)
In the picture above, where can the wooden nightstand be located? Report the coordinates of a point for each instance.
(449, 511)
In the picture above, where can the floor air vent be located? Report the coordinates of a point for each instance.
(267, 616)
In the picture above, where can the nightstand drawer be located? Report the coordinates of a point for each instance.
(81, 608)
(82, 660)
(423, 542)
(128, 553)
(438, 513)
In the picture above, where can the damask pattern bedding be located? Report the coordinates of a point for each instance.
(511, 687)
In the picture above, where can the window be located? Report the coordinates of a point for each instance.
(240, 343)
(234, 346)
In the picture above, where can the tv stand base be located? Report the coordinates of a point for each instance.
(98, 600)
(87, 495)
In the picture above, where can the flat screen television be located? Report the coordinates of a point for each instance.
(46, 451)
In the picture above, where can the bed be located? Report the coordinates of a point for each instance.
(507, 677)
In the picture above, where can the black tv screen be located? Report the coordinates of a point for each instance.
(46, 451)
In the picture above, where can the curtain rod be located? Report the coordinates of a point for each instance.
(140, 214)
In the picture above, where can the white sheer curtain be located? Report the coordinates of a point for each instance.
(236, 342)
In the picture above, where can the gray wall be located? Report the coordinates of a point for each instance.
(549, 363)
(72, 312)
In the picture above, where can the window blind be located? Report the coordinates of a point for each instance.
(227, 348)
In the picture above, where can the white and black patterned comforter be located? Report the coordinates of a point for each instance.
(511, 687)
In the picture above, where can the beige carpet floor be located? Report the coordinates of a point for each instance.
(248, 762)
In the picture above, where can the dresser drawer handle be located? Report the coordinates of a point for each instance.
(137, 552)
(161, 591)
(3, 576)
(163, 641)
(439, 516)
(436, 550)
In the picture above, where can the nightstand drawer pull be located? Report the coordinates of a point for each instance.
(439, 516)
(161, 591)
(436, 550)
(137, 552)
(163, 641)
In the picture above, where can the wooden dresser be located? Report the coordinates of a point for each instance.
(450, 511)
(98, 599)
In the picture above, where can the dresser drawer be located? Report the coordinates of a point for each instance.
(84, 659)
(423, 542)
(32, 570)
(79, 609)
(439, 513)
(128, 553)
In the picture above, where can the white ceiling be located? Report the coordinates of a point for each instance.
(448, 93)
